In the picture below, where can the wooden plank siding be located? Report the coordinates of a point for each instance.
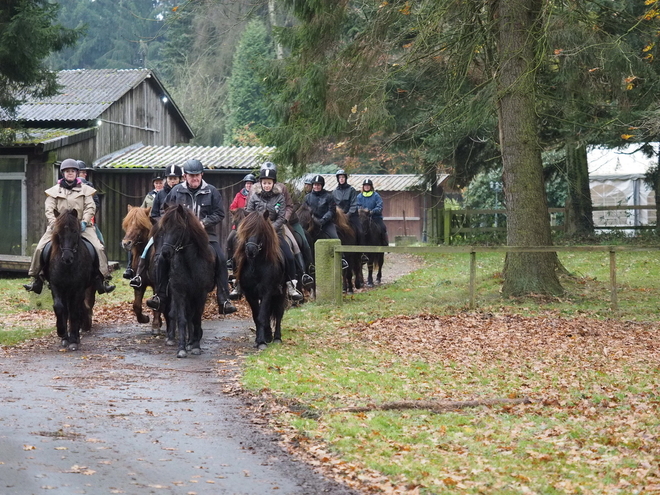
(400, 204)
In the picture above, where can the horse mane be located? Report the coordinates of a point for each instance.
(183, 218)
(255, 225)
(305, 217)
(66, 220)
(344, 227)
(138, 217)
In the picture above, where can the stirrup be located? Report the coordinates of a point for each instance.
(230, 265)
(35, 286)
(235, 294)
(364, 258)
(307, 280)
(154, 302)
(136, 282)
(228, 308)
(344, 264)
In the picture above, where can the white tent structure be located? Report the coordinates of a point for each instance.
(616, 178)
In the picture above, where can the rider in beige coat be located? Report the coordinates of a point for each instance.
(70, 194)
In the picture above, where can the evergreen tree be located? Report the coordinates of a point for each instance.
(248, 108)
(28, 34)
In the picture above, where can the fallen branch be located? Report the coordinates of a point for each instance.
(432, 405)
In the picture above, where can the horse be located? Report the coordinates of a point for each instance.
(352, 273)
(372, 235)
(72, 269)
(183, 244)
(260, 272)
(137, 225)
(237, 217)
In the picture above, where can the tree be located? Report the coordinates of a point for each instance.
(246, 100)
(22, 69)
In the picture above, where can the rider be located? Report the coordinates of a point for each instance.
(70, 194)
(83, 175)
(323, 207)
(371, 202)
(206, 203)
(157, 183)
(346, 198)
(241, 198)
(172, 176)
(267, 196)
(293, 223)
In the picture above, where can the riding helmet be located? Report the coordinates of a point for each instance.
(173, 171)
(268, 173)
(69, 163)
(308, 179)
(269, 165)
(193, 167)
(339, 172)
(319, 179)
(81, 165)
(368, 182)
(159, 175)
(249, 178)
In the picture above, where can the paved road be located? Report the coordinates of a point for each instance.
(124, 415)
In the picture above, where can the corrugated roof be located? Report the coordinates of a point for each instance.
(398, 182)
(32, 136)
(85, 94)
(212, 157)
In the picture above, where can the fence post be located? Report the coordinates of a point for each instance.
(328, 271)
(473, 277)
(447, 226)
(613, 296)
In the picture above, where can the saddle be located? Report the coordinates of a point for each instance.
(45, 254)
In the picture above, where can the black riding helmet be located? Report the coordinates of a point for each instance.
(250, 178)
(268, 173)
(173, 171)
(368, 182)
(158, 175)
(193, 167)
(318, 179)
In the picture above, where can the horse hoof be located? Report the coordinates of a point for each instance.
(181, 354)
(64, 343)
(370, 285)
(73, 346)
(170, 342)
(277, 341)
(143, 319)
(262, 347)
(195, 351)
(155, 332)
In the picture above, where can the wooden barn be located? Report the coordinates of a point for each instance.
(407, 201)
(96, 113)
(124, 179)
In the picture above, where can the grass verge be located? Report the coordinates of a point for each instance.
(592, 377)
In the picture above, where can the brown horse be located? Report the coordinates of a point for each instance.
(137, 225)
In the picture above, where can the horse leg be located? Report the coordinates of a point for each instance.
(62, 317)
(278, 314)
(197, 329)
(379, 275)
(370, 271)
(76, 311)
(88, 313)
(256, 307)
(138, 295)
(178, 314)
(170, 329)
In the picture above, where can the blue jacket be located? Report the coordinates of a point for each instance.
(373, 203)
(322, 204)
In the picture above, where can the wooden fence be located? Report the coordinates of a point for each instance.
(328, 261)
(449, 227)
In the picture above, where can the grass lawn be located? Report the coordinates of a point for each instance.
(592, 377)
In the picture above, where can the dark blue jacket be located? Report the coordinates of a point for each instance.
(346, 198)
(373, 203)
(205, 202)
(322, 204)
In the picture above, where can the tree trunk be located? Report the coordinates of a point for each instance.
(657, 195)
(528, 222)
(579, 209)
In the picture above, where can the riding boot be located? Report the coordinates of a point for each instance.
(36, 285)
(136, 281)
(300, 262)
(103, 285)
(292, 292)
(128, 273)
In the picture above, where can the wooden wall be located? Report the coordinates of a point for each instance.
(400, 204)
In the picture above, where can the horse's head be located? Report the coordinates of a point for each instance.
(66, 235)
(237, 216)
(257, 239)
(136, 225)
(180, 229)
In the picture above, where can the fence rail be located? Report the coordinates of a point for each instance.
(329, 252)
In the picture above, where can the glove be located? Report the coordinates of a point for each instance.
(272, 214)
(83, 226)
(317, 221)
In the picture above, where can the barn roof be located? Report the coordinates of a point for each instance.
(389, 182)
(623, 163)
(86, 93)
(212, 157)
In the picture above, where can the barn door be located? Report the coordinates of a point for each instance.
(13, 205)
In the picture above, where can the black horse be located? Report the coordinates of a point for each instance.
(71, 270)
(352, 268)
(373, 235)
(260, 272)
(183, 244)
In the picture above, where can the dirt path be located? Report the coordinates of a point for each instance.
(124, 415)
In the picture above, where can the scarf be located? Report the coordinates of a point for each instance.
(367, 194)
(69, 185)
